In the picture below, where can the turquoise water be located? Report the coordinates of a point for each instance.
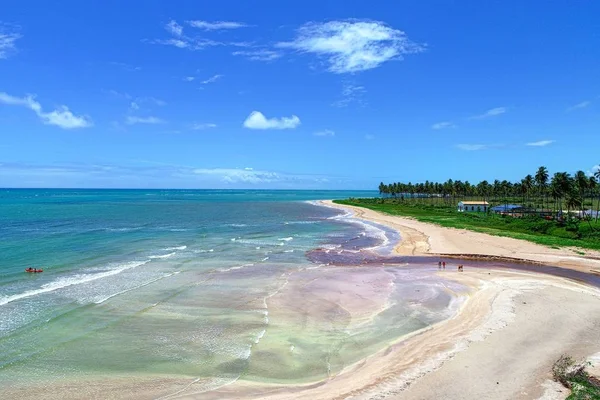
(198, 285)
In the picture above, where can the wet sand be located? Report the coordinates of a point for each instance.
(510, 328)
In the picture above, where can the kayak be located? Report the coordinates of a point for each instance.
(33, 270)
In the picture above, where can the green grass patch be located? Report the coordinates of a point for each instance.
(534, 229)
(573, 375)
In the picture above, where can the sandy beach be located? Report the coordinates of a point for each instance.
(500, 345)
(510, 327)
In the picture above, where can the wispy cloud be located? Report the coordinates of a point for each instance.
(351, 93)
(61, 116)
(125, 67)
(325, 132)
(157, 174)
(174, 28)
(189, 78)
(370, 137)
(541, 143)
(202, 126)
(352, 46)
(180, 40)
(132, 120)
(473, 147)
(579, 106)
(216, 25)
(142, 103)
(212, 79)
(443, 125)
(239, 175)
(117, 94)
(8, 38)
(256, 120)
(490, 113)
(259, 55)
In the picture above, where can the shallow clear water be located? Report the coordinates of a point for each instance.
(211, 285)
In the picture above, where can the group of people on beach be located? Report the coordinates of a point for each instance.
(442, 265)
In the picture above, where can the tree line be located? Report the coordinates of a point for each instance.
(556, 192)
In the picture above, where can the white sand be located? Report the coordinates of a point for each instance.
(501, 345)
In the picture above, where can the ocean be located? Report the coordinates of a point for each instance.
(200, 288)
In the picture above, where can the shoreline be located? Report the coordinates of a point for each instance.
(507, 315)
(421, 239)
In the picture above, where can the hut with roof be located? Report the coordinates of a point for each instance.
(473, 206)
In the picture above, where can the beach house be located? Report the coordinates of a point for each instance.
(473, 206)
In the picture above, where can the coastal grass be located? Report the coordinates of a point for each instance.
(574, 376)
(581, 234)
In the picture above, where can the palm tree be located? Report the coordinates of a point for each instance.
(541, 180)
(382, 188)
(597, 176)
(528, 184)
(581, 180)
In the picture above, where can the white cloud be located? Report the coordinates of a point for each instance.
(370, 137)
(578, 106)
(216, 25)
(594, 170)
(350, 94)
(256, 120)
(174, 28)
(182, 41)
(490, 113)
(259, 55)
(202, 126)
(443, 125)
(353, 46)
(138, 102)
(325, 132)
(540, 143)
(61, 116)
(126, 67)
(121, 95)
(472, 147)
(189, 78)
(132, 120)
(212, 79)
(182, 44)
(236, 175)
(8, 39)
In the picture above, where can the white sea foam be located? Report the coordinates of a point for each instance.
(302, 222)
(162, 256)
(265, 259)
(287, 239)
(102, 300)
(78, 279)
(175, 248)
(260, 336)
(288, 251)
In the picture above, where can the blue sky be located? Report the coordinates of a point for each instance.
(273, 94)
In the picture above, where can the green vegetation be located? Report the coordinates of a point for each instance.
(551, 211)
(555, 195)
(573, 376)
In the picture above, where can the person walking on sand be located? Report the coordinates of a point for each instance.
(439, 265)
(444, 264)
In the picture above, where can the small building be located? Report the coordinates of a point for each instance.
(506, 208)
(473, 206)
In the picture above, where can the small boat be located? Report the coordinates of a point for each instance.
(33, 270)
